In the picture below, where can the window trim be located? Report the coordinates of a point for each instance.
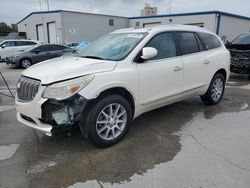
(205, 48)
(136, 59)
(181, 54)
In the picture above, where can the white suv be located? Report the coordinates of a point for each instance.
(119, 77)
(9, 47)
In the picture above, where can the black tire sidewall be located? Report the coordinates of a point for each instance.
(21, 63)
(208, 95)
(93, 115)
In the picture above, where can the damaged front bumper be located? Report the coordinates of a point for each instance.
(240, 62)
(54, 116)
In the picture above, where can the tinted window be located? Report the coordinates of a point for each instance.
(165, 45)
(56, 47)
(8, 44)
(210, 41)
(43, 48)
(187, 42)
(46, 48)
(24, 43)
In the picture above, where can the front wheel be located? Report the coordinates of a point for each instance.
(215, 91)
(25, 63)
(108, 120)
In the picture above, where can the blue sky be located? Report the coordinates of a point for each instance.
(14, 10)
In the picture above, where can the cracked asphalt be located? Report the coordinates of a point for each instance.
(186, 144)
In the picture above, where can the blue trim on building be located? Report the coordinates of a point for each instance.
(218, 24)
(39, 12)
(193, 14)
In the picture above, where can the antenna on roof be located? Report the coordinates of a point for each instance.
(40, 5)
(170, 7)
(47, 1)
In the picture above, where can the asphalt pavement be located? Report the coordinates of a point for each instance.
(187, 144)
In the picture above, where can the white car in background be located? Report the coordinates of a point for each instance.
(9, 47)
(124, 74)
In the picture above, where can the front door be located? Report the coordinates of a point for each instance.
(161, 77)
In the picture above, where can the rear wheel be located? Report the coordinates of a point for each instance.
(108, 120)
(215, 91)
(25, 63)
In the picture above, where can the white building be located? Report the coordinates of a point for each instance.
(149, 11)
(62, 26)
(226, 25)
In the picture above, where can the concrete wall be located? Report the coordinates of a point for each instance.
(82, 26)
(231, 27)
(29, 25)
(208, 20)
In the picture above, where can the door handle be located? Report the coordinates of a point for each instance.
(177, 68)
(207, 62)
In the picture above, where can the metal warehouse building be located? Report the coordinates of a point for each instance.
(62, 26)
(226, 25)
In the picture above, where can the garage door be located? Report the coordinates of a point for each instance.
(40, 33)
(51, 32)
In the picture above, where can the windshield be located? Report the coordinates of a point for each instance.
(112, 47)
(242, 39)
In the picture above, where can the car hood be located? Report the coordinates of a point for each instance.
(67, 67)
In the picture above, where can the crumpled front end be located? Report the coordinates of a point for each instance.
(61, 115)
(240, 62)
(46, 115)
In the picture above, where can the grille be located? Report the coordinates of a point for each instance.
(27, 88)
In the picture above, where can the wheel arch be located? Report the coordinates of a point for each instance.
(223, 72)
(119, 91)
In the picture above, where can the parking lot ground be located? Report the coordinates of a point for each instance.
(186, 144)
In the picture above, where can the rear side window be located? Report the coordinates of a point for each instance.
(210, 41)
(44, 48)
(187, 43)
(24, 43)
(57, 47)
(165, 45)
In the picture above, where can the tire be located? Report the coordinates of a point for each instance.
(102, 124)
(25, 63)
(215, 91)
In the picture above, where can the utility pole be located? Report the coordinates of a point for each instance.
(170, 7)
(47, 1)
(40, 4)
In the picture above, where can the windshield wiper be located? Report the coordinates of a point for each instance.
(92, 57)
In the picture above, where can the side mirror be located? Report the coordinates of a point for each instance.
(3, 46)
(148, 53)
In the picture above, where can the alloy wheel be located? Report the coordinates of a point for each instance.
(111, 121)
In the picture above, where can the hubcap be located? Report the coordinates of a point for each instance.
(111, 121)
(217, 89)
(25, 63)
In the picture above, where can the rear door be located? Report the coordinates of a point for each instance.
(56, 51)
(161, 77)
(195, 73)
(41, 53)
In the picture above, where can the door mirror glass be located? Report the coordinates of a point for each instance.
(148, 53)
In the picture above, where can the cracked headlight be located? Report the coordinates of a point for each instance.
(66, 89)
